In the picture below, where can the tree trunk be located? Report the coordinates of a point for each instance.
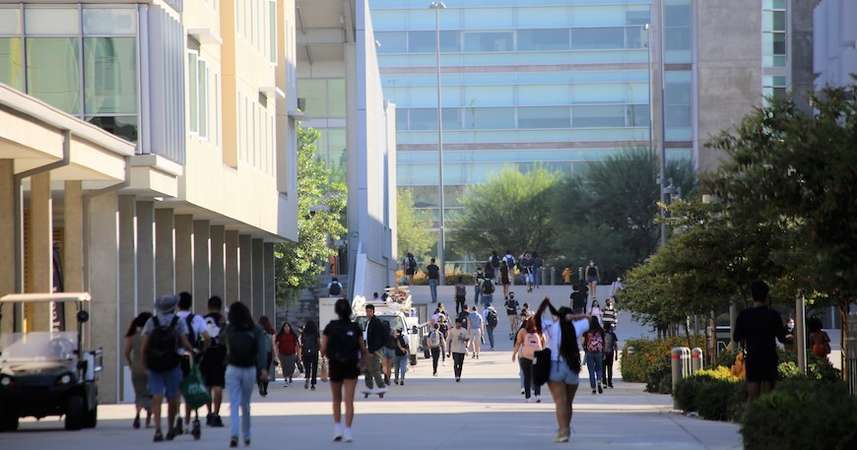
(843, 338)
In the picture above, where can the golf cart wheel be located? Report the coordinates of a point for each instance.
(413, 359)
(91, 417)
(8, 421)
(75, 413)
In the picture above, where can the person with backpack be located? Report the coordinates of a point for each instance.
(460, 295)
(133, 356)
(456, 347)
(433, 279)
(376, 337)
(611, 353)
(494, 261)
(538, 264)
(410, 267)
(491, 321)
(268, 328)
(592, 277)
(247, 347)
(436, 343)
(163, 334)
(511, 306)
(475, 328)
(487, 293)
(505, 276)
(199, 340)
(389, 352)
(402, 357)
(593, 344)
(288, 351)
(213, 365)
(527, 343)
(490, 272)
(334, 288)
(478, 278)
(342, 344)
(309, 344)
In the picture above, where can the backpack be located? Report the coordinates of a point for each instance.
(434, 339)
(460, 290)
(191, 333)
(487, 287)
(162, 352)
(492, 319)
(346, 344)
(412, 263)
(335, 288)
(595, 343)
(404, 343)
(214, 325)
(495, 262)
(242, 345)
(532, 344)
(309, 343)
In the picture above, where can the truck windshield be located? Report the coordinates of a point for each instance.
(37, 346)
(394, 321)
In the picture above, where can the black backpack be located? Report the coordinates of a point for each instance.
(492, 319)
(309, 343)
(412, 263)
(242, 346)
(346, 343)
(162, 350)
(495, 262)
(404, 343)
(335, 288)
(487, 287)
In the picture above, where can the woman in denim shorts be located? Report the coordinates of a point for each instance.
(561, 330)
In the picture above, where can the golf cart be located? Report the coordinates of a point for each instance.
(48, 373)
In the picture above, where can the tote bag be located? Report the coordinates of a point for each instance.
(541, 366)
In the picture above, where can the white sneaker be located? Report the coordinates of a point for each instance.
(337, 432)
(538, 399)
(346, 437)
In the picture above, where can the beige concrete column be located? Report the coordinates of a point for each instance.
(7, 243)
(184, 253)
(40, 250)
(201, 265)
(145, 255)
(232, 272)
(165, 281)
(103, 273)
(258, 278)
(218, 268)
(72, 244)
(270, 307)
(127, 274)
(245, 270)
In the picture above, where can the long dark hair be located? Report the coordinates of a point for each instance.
(342, 308)
(310, 328)
(283, 329)
(138, 322)
(568, 347)
(239, 315)
(595, 326)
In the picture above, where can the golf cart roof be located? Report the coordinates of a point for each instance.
(46, 298)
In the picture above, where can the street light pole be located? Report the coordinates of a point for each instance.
(663, 129)
(437, 6)
(648, 28)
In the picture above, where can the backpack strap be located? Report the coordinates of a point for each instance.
(155, 321)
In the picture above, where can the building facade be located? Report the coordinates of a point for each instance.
(835, 42)
(170, 164)
(560, 84)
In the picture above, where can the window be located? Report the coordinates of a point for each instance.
(677, 26)
(12, 62)
(52, 21)
(110, 84)
(591, 116)
(109, 21)
(193, 90)
(637, 17)
(489, 41)
(634, 37)
(401, 119)
(202, 83)
(392, 42)
(677, 98)
(779, 21)
(543, 39)
(423, 119)
(336, 98)
(597, 38)
(489, 118)
(54, 71)
(638, 115)
(423, 41)
(217, 109)
(452, 119)
(272, 31)
(544, 117)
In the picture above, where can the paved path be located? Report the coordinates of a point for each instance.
(485, 411)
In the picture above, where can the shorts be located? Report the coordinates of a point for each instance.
(591, 279)
(561, 373)
(340, 371)
(213, 367)
(165, 383)
(410, 272)
(389, 353)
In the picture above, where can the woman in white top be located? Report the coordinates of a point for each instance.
(561, 330)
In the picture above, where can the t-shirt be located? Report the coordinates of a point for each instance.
(591, 272)
(457, 340)
(341, 331)
(553, 333)
(287, 344)
(197, 324)
(759, 327)
(433, 272)
(474, 320)
(511, 307)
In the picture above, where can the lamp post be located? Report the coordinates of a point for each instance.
(648, 28)
(437, 6)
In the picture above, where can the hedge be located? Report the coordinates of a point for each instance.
(650, 361)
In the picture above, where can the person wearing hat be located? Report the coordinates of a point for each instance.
(162, 336)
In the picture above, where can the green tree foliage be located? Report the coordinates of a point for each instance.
(411, 227)
(321, 207)
(509, 211)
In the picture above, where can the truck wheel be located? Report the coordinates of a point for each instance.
(413, 359)
(75, 413)
(8, 421)
(91, 417)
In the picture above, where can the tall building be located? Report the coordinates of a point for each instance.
(560, 84)
(153, 147)
(835, 42)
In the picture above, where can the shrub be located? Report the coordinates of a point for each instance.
(722, 373)
(727, 358)
(715, 393)
(659, 377)
(802, 413)
(650, 361)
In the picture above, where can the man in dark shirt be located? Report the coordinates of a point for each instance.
(756, 329)
(433, 279)
(376, 337)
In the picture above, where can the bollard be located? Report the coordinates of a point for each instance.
(696, 361)
(676, 366)
(685, 362)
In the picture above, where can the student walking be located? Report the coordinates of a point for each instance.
(491, 321)
(376, 337)
(527, 343)
(494, 260)
(213, 365)
(611, 353)
(134, 357)
(609, 314)
(287, 351)
(460, 296)
(436, 343)
(389, 352)
(477, 286)
(334, 288)
(310, 344)
(198, 336)
(561, 331)
(819, 341)
(410, 268)
(402, 357)
(475, 328)
(593, 343)
(592, 277)
(511, 306)
(433, 279)
(270, 333)
(247, 347)
(163, 334)
(505, 275)
(487, 293)
(757, 329)
(538, 263)
(342, 344)
(457, 347)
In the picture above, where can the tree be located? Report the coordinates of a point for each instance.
(411, 227)
(321, 207)
(509, 211)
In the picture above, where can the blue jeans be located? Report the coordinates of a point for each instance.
(487, 300)
(433, 288)
(401, 366)
(594, 363)
(490, 336)
(240, 382)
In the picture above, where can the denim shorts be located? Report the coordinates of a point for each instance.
(165, 383)
(561, 373)
(389, 353)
